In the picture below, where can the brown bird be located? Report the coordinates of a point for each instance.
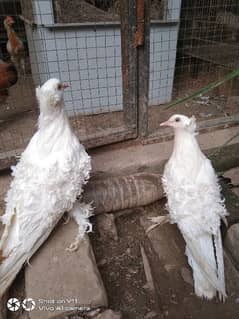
(15, 46)
(8, 77)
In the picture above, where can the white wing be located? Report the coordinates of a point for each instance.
(39, 194)
(195, 204)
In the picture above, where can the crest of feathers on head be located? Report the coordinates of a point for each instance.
(192, 125)
(49, 94)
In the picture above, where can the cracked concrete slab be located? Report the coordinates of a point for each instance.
(61, 282)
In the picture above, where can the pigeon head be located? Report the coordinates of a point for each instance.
(50, 94)
(178, 121)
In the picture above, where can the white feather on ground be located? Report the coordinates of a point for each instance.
(47, 180)
(196, 206)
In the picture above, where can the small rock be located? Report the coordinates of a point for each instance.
(205, 115)
(132, 271)
(232, 242)
(107, 227)
(93, 313)
(151, 314)
(233, 175)
(187, 276)
(237, 300)
(109, 314)
(169, 267)
(102, 262)
(128, 251)
(146, 286)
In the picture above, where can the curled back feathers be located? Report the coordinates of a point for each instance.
(49, 94)
(46, 97)
(192, 125)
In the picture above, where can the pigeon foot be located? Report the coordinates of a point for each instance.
(74, 246)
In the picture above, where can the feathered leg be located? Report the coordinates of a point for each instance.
(81, 213)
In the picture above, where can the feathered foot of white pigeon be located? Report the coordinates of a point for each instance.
(158, 221)
(81, 213)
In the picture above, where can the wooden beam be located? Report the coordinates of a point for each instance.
(129, 61)
(143, 67)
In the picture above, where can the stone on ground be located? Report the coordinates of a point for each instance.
(63, 279)
(109, 314)
(233, 174)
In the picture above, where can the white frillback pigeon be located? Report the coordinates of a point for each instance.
(196, 206)
(47, 181)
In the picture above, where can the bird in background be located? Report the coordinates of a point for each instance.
(8, 77)
(15, 46)
(196, 206)
(47, 181)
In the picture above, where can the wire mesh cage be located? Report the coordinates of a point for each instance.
(96, 46)
(205, 50)
(76, 41)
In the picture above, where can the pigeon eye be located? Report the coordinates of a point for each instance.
(177, 119)
(59, 86)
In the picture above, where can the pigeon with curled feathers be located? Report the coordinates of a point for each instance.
(196, 206)
(47, 182)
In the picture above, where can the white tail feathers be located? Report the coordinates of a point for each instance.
(9, 269)
(205, 256)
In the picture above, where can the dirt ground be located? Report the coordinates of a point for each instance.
(168, 293)
(122, 269)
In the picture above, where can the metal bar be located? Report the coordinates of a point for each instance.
(165, 22)
(83, 24)
(101, 24)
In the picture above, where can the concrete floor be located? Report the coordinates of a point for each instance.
(113, 159)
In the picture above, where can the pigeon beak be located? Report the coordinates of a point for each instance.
(65, 86)
(167, 123)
